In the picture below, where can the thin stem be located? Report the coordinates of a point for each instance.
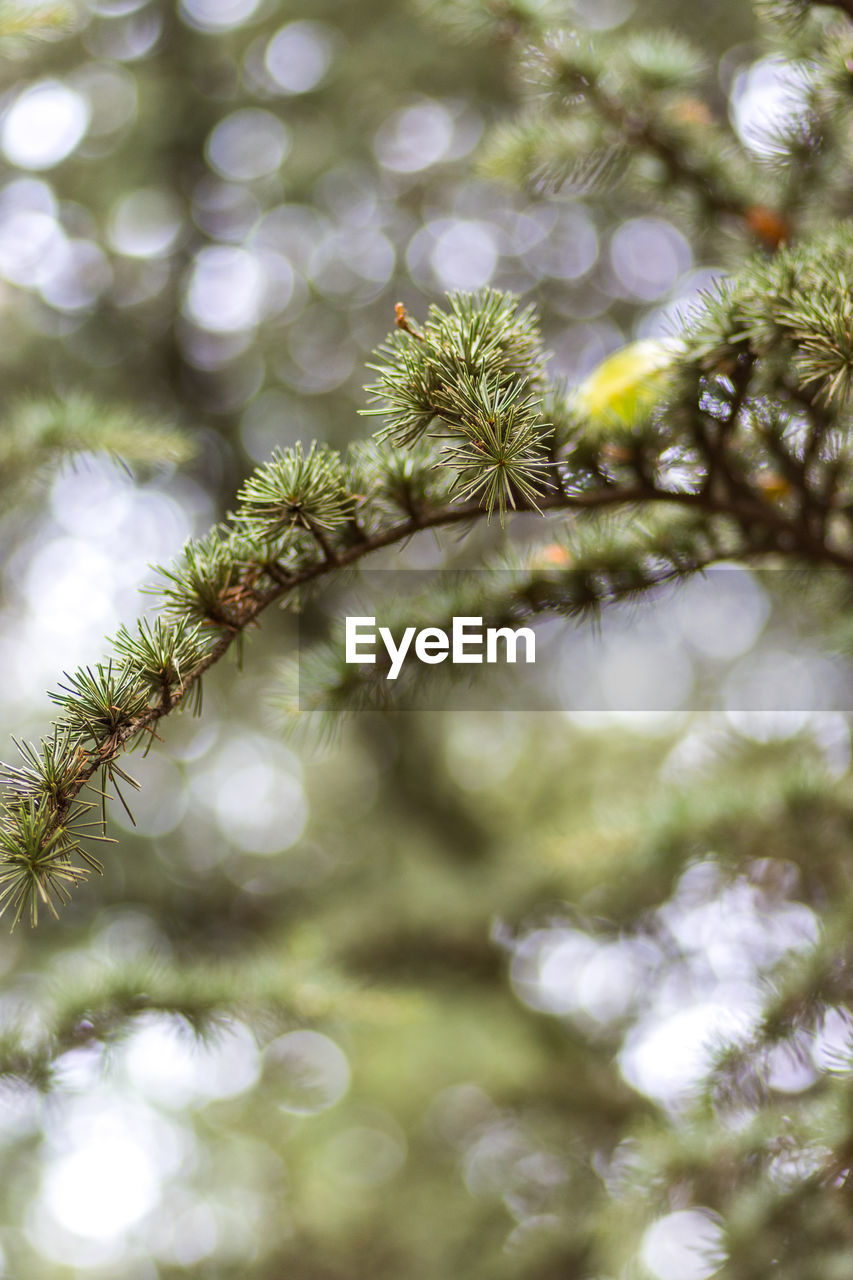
(403, 322)
(768, 226)
(643, 133)
(322, 541)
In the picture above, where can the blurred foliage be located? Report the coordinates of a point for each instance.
(38, 433)
(457, 993)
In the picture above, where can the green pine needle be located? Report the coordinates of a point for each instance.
(163, 656)
(35, 862)
(296, 491)
(97, 704)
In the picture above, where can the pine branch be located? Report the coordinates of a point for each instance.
(614, 102)
(41, 433)
(202, 997)
(646, 133)
(464, 398)
(42, 863)
(601, 563)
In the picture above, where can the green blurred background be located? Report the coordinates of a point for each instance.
(468, 956)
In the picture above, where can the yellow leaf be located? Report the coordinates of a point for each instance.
(627, 385)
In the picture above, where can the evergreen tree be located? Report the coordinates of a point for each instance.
(511, 933)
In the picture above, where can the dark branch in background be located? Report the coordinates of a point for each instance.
(614, 99)
(204, 997)
(40, 433)
(686, 170)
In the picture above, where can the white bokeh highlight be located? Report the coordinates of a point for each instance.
(145, 223)
(226, 289)
(43, 125)
(766, 97)
(415, 137)
(299, 55)
(686, 1245)
(247, 144)
(306, 1072)
(168, 1065)
(216, 15)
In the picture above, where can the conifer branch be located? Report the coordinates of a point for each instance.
(40, 433)
(200, 997)
(646, 133)
(464, 398)
(52, 830)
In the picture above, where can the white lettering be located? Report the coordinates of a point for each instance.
(353, 639)
(511, 639)
(432, 645)
(462, 637)
(397, 653)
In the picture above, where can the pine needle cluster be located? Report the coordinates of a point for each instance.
(474, 379)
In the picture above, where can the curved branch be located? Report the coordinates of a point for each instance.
(787, 536)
